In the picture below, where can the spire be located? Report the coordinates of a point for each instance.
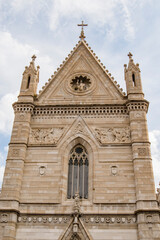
(82, 36)
(29, 81)
(133, 79)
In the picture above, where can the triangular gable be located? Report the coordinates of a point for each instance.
(82, 233)
(78, 128)
(81, 63)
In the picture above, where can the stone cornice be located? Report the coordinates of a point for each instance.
(139, 105)
(23, 107)
(81, 110)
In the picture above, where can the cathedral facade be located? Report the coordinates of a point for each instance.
(79, 163)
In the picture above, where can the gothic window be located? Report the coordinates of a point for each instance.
(78, 172)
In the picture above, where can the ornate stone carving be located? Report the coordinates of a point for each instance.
(4, 218)
(110, 219)
(42, 170)
(45, 136)
(143, 151)
(80, 83)
(44, 219)
(80, 129)
(113, 135)
(76, 214)
(114, 170)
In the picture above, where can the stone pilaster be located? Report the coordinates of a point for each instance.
(146, 203)
(16, 153)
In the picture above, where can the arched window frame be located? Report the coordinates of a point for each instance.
(78, 167)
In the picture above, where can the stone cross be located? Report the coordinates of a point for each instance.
(82, 36)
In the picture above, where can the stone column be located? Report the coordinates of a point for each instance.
(11, 188)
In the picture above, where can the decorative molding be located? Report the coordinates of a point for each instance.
(25, 108)
(80, 110)
(45, 135)
(4, 218)
(110, 220)
(113, 135)
(96, 219)
(137, 106)
(80, 129)
(44, 219)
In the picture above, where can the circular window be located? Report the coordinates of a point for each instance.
(80, 83)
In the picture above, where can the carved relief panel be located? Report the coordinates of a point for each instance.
(113, 135)
(45, 135)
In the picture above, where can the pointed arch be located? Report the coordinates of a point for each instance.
(64, 154)
(78, 172)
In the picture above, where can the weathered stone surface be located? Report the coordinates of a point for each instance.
(80, 105)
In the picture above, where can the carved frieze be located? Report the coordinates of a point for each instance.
(109, 220)
(113, 135)
(44, 219)
(45, 135)
(96, 219)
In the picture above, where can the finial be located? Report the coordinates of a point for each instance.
(82, 36)
(130, 55)
(33, 57)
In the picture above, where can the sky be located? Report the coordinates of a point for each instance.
(48, 28)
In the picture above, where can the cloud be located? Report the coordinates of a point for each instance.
(155, 150)
(14, 56)
(2, 164)
(116, 17)
(6, 112)
(29, 9)
(1, 174)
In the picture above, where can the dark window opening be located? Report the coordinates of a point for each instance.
(133, 80)
(28, 81)
(78, 172)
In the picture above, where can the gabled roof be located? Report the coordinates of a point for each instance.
(85, 44)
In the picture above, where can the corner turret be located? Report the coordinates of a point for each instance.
(29, 82)
(133, 80)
